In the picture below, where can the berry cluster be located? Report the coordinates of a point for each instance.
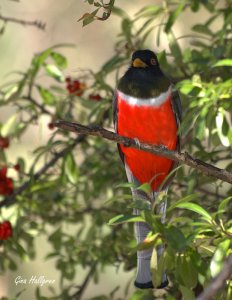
(5, 230)
(6, 184)
(77, 88)
(74, 86)
(95, 97)
(4, 142)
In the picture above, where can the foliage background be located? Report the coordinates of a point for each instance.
(64, 214)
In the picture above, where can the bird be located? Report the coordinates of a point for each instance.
(147, 108)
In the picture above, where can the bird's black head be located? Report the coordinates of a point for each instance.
(144, 59)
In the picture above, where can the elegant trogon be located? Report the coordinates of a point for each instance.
(148, 110)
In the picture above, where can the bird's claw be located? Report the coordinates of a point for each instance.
(137, 142)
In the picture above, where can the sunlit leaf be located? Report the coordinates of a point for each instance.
(156, 280)
(59, 59)
(71, 169)
(46, 95)
(9, 126)
(54, 72)
(125, 219)
(148, 242)
(223, 63)
(196, 208)
(217, 261)
(185, 199)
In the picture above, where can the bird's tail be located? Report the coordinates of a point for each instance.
(144, 277)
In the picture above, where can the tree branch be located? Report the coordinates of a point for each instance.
(218, 282)
(40, 25)
(160, 150)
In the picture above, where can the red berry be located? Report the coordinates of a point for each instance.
(95, 97)
(68, 79)
(4, 142)
(6, 184)
(17, 167)
(5, 230)
(76, 85)
(51, 126)
(3, 172)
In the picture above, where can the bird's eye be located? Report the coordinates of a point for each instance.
(153, 61)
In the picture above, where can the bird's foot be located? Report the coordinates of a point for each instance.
(137, 142)
(149, 285)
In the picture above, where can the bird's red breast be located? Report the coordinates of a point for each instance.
(149, 123)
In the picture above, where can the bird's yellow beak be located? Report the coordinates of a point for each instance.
(138, 63)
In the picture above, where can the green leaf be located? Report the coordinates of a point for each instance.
(125, 219)
(148, 242)
(146, 188)
(141, 204)
(202, 29)
(119, 12)
(175, 238)
(222, 206)
(196, 208)
(112, 64)
(126, 185)
(183, 200)
(46, 95)
(89, 17)
(217, 261)
(126, 28)
(173, 16)
(149, 11)
(219, 124)
(56, 238)
(9, 127)
(11, 92)
(142, 295)
(187, 293)
(60, 60)
(188, 272)
(71, 169)
(174, 47)
(154, 268)
(54, 72)
(224, 62)
(199, 128)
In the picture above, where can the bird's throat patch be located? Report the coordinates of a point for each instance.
(154, 101)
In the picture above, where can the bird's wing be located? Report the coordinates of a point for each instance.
(176, 106)
(115, 119)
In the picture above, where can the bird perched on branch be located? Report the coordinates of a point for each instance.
(147, 109)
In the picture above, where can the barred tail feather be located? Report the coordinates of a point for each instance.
(143, 276)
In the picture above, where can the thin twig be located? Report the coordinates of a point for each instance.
(77, 295)
(218, 282)
(40, 25)
(202, 190)
(41, 107)
(160, 150)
